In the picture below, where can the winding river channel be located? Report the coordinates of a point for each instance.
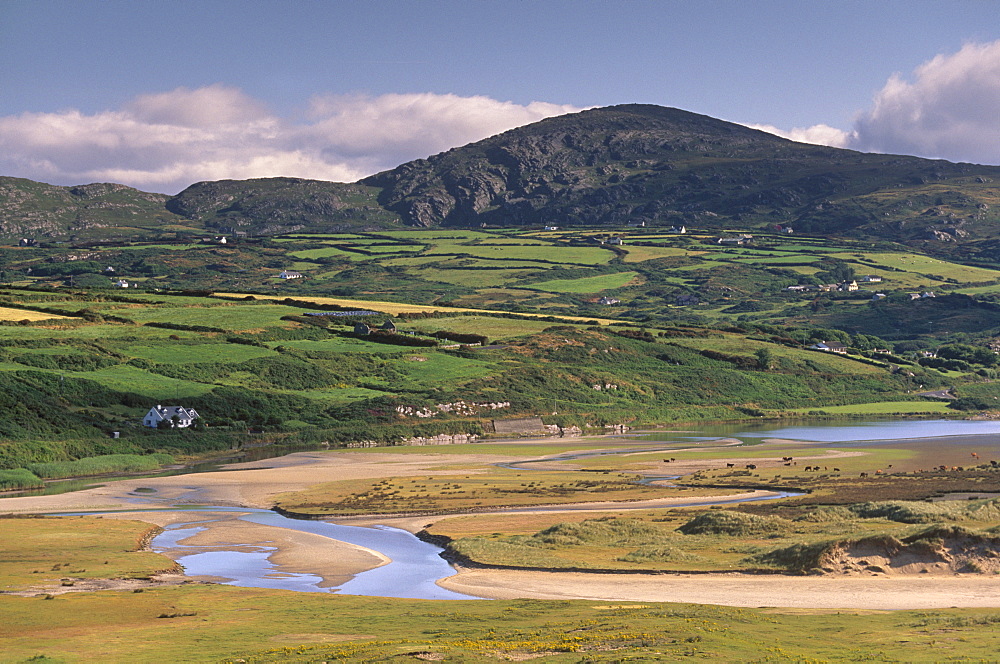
(415, 566)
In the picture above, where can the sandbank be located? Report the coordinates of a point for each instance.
(742, 590)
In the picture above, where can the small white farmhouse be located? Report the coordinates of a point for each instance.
(290, 274)
(157, 414)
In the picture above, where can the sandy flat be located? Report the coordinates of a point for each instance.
(745, 590)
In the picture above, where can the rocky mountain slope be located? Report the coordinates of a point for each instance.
(603, 167)
(637, 163)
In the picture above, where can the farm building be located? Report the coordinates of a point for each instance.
(157, 414)
(290, 274)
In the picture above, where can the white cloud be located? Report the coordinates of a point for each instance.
(949, 110)
(820, 134)
(167, 141)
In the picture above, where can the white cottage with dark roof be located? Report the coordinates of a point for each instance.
(157, 414)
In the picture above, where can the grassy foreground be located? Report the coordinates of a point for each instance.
(208, 623)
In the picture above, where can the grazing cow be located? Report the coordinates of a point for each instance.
(666, 461)
(751, 466)
(730, 465)
(878, 472)
(836, 470)
(786, 458)
(788, 464)
(975, 456)
(864, 474)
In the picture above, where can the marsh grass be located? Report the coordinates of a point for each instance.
(19, 478)
(100, 465)
(453, 493)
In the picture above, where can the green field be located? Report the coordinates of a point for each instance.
(587, 284)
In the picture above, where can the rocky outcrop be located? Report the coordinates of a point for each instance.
(275, 205)
(442, 439)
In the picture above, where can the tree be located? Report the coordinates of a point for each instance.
(764, 358)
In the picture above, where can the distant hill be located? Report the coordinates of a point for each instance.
(602, 167)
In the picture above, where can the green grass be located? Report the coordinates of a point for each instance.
(571, 255)
(180, 353)
(427, 369)
(326, 252)
(101, 465)
(586, 284)
(469, 278)
(19, 478)
(496, 329)
(883, 408)
(129, 379)
(234, 317)
(39, 550)
(226, 623)
(338, 345)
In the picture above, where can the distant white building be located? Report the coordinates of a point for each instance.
(614, 240)
(290, 274)
(609, 300)
(121, 283)
(551, 228)
(680, 230)
(157, 414)
(870, 279)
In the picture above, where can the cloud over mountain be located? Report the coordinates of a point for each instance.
(950, 109)
(166, 141)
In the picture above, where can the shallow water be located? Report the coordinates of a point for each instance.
(415, 566)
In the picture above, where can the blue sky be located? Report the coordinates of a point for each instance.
(162, 94)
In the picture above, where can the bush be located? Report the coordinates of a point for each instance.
(735, 524)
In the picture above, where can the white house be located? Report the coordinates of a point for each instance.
(681, 230)
(551, 228)
(830, 347)
(121, 283)
(290, 274)
(157, 414)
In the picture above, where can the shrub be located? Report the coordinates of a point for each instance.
(735, 524)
